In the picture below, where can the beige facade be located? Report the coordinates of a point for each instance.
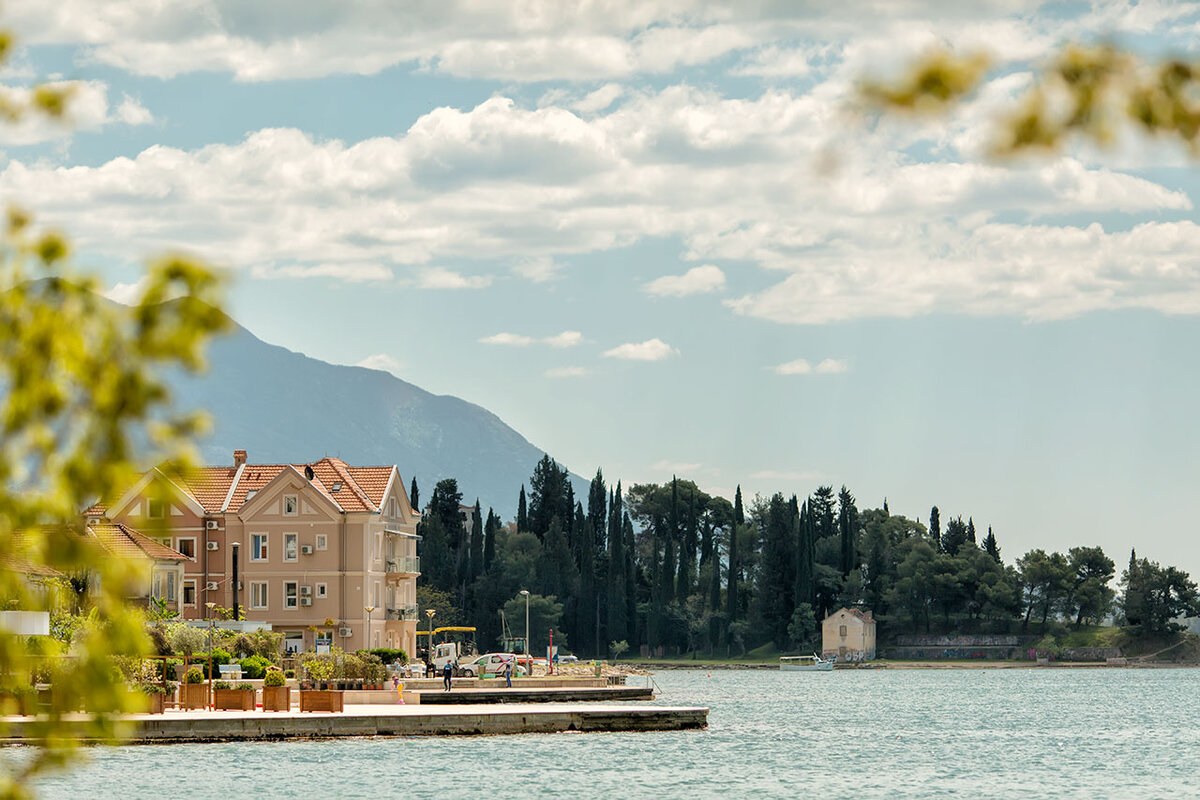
(317, 545)
(848, 634)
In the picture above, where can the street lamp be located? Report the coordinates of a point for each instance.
(528, 655)
(212, 625)
(369, 610)
(429, 612)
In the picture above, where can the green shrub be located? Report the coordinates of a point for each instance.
(222, 685)
(194, 675)
(289, 673)
(254, 667)
(274, 678)
(389, 655)
(245, 687)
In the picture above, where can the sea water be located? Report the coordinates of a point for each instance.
(996, 733)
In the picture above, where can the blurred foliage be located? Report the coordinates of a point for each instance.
(83, 409)
(1089, 92)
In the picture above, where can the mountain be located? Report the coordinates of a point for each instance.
(282, 406)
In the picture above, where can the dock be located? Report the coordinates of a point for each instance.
(577, 694)
(395, 720)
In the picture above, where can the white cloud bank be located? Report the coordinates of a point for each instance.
(649, 350)
(382, 362)
(697, 280)
(560, 340)
(89, 110)
(801, 366)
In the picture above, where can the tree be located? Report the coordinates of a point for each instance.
(545, 613)
(549, 490)
(935, 528)
(1164, 594)
(414, 495)
(848, 530)
(476, 568)
(522, 514)
(84, 405)
(802, 630)
(1044, 578)
(957, 536)
(990, 546)
(1088, 595)
(491, 530)
(777, 592)
(731, 578)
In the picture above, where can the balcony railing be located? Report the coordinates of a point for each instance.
(408, 565)
(404, 611)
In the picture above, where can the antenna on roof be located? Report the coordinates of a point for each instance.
(308, 472)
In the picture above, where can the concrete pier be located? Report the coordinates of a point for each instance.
(398, 720)
(535, 695)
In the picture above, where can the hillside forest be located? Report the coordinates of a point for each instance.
(669, 569)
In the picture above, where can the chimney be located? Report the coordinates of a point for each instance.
(239, 457)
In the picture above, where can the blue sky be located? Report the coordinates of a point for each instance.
(652, 236)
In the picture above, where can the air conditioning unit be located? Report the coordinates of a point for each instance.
(212, 586)
(306, 601)
(305, 591)
(214, 546)
(211, 524)
(344, 632)
(239, 586)
(306, 550)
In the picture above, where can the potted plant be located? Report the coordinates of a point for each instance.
(195, 691)
(227, 697)
(320, 670)
(277, 695)
(157, 694)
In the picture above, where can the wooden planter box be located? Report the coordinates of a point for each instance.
(193, 695)
(277, 698)
(158, 703)
(316, 700)
(234, 699)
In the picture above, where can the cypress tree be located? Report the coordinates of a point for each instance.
(596, 512)
(617, 622)
(489, 539)
(778, 570)
(935, 529)
(990, 546)
(522, 513)
(805, 588)
(714, 600)
(971, 530)
(414, 497)
(631, 583)
(731, 584)
(585, 617)
(476, 566)
(848, 529)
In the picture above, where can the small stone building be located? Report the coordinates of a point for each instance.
(848, 634)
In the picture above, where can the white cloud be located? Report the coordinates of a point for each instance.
(785, 475)
(831, 366)
(442, 278)
(649, 350)
(127, 293)
(382, 362)
(697, 280)
(600, 99)
(798, 367)
(132, 112)
(567, 372)
(508, 339)
(87, 110)
(538, 270)
(560, 340)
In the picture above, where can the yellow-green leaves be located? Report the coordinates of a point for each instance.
(1085, 92)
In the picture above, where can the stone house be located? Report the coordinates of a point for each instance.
(316, 544)
(848, 634)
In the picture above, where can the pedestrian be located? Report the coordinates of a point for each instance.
(447, 671)
(508, 669)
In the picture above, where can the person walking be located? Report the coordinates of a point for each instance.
(508, 670)
(447, 672)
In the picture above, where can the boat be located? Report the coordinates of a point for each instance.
(813, 663)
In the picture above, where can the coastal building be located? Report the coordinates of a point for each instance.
(848, 634)
(326, 553)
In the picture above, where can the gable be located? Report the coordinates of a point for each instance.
(135, 503)
(269, 500)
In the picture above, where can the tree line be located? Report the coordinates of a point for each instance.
(671, 568)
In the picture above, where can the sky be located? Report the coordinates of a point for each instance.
(658, 236)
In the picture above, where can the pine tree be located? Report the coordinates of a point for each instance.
(990, 546)
(885, 508)
(971, 530)
(956, 536)
(414, 496)
(522, 514)
(848, 529)
(935, 529)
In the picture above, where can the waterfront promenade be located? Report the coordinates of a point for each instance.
(396, 720)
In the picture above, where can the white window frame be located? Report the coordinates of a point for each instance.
(294, 597)
(295, 501)
(179, 542)
(322, 541)
(322, 590)
(294, 538)
(183, 595)
(257, 554)
(263, 587)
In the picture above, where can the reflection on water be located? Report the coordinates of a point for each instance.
(1016, 733)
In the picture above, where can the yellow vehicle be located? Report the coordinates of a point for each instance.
(454, 644)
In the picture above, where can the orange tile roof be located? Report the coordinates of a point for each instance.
(121, 540)
(210, 486)
(373, 480)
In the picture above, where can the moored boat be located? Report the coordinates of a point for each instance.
(813, 663)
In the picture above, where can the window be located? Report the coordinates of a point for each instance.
(189, 593)
(290, 504)
(290, 547)
(258, 594)
(290, 590)
(322, 541)
(322, 590)
(337, 486)
(187, 547)
(378, 595)
(154, 509)
(164, 586)
(258, 547)
(378, 544)
(842, 631)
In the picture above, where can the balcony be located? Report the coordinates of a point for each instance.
(407, 565)
(404, 611)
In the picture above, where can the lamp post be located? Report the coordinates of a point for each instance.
(528, 655)
(369, 610)
(429, 612)
(212, 626)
